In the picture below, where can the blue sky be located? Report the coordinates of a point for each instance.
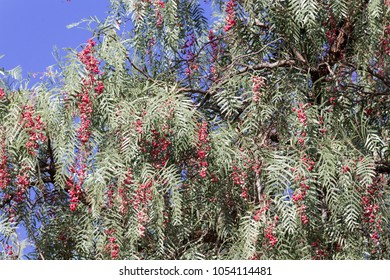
(29, 29)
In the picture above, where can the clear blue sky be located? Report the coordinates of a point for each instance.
(29, 29)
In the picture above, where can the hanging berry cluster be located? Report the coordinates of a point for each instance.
(158, 148)
(2, 93)
(319, 252)
(385, 40)
(257, 84)
(301, 192)
(4, 170)
(189, 55)
(159, 6)
(159, 151)
(230, 15)
(140, 201)
(214, 56)
(371, 210)
(269, 232)
(123, 191)
(302, 118)
(260, 213)
(112, 248)
(22, 184)
(90, 84)
(301, 114)
(203, 147)
(240, 178)
(92, 87)
(34, 126)
(74, 184)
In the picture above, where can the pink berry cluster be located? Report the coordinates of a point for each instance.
(112, 247)
(2, 93)
(159, 6)
(140, 201)
(257, 84)
(319, 252)
(323, 130)
(371, 210)
(90, 83)
(123, 193)
(138, 127)
(385, 42)
(4, 169)
(259, 213)
(139, 123)
(269, 232)
(160, 148)
(189, 55)
(230, 15)
(240, 178)
(203, 147)
(302, 117)
(214, 55)
(22, 184)
(75, 184)
(34, 126)
(8, 249)
(308, 162)
(301, 192)
(214, 46)
(152, 42)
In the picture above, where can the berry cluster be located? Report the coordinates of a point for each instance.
(257, 84)
(189, 55)
(203, 148)
(321, 124)
(230, 15)
(269, 232)
(214, 55)
(90, 83)
(34, 127)
(112, 247)
(308, 162)
(159, 6)
(140, 201)
(2, 93)
(4, 170)
(8, 249)
(301, 114)
(240, 178)
(300, 193)
(259, 213)
(371, 209)
(22, 184)
(214, 46)
(159, 151)
(385, 42)
(74, 185)
(123, 194)
(318, 250)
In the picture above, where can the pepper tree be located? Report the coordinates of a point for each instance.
(259, 133)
